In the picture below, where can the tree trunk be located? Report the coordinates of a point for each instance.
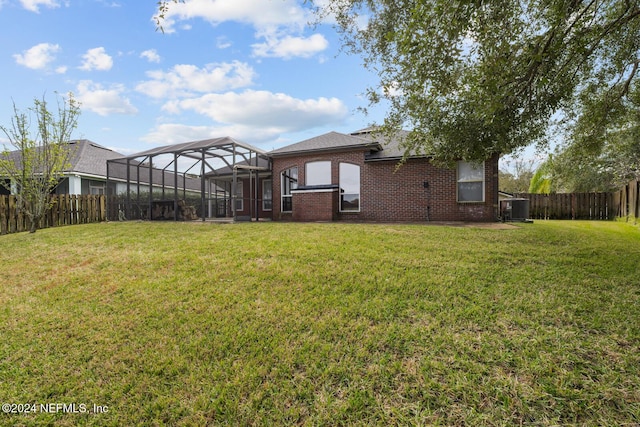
(34, 224)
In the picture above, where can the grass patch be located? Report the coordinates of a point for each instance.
(323, 324)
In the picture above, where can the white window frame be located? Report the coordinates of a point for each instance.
(267, 184)
(317, 173)
(99, 190)
(460, 180)
(350, 193)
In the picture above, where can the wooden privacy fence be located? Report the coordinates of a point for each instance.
(627, 201)
(592, 206)
(67, 210)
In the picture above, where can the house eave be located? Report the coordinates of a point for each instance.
(395, 158)
(375, 147)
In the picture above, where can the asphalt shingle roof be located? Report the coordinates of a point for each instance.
(380, 147)
(87, 157)
(90, 158)
(328, 142)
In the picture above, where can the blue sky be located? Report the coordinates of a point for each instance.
(250, 69)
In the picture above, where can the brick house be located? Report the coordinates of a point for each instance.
(335, 177)
(332, 177)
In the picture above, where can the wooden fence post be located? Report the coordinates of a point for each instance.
(13, 217)
(4, 206)
(103, 208)
(632, 200)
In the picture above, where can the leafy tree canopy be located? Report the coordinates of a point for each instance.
(471, 78)
(601, 151)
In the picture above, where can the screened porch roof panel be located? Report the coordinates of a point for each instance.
(215, 147)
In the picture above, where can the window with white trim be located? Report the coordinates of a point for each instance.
(267, 199)
(96, 190)
(470, 182)
(349, 187)
(318, 173)
(289, 181)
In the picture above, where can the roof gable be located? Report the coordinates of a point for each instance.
(331, 141)
(90, 158)
(380, 147)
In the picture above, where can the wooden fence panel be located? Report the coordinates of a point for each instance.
(4, 207)
(13, 215)
(634, 202)
(66, 210)
(589, 206)
(623, 202)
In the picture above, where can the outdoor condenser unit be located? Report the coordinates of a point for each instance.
(514, 209)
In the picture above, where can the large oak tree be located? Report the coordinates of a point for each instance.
(473, 78)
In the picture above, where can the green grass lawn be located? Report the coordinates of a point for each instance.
(322, 324)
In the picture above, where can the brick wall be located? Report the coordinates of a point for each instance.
(389, 193)
(315, 205)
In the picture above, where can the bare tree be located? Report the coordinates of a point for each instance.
(39, 157)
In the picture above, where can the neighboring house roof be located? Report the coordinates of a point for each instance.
(90, 158)
(87, 158)
(331, 141)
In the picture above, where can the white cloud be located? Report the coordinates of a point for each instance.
(94, 97)
(110, 3)
(277, 22)
(184, 80)
(34, 5)
(38, 57)
(259, 13)
(270, 112)
(288, 46)
(174, 133)
(223, 43)
(96, 59)
(151, 55)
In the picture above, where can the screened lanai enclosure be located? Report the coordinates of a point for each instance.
(208, 179)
